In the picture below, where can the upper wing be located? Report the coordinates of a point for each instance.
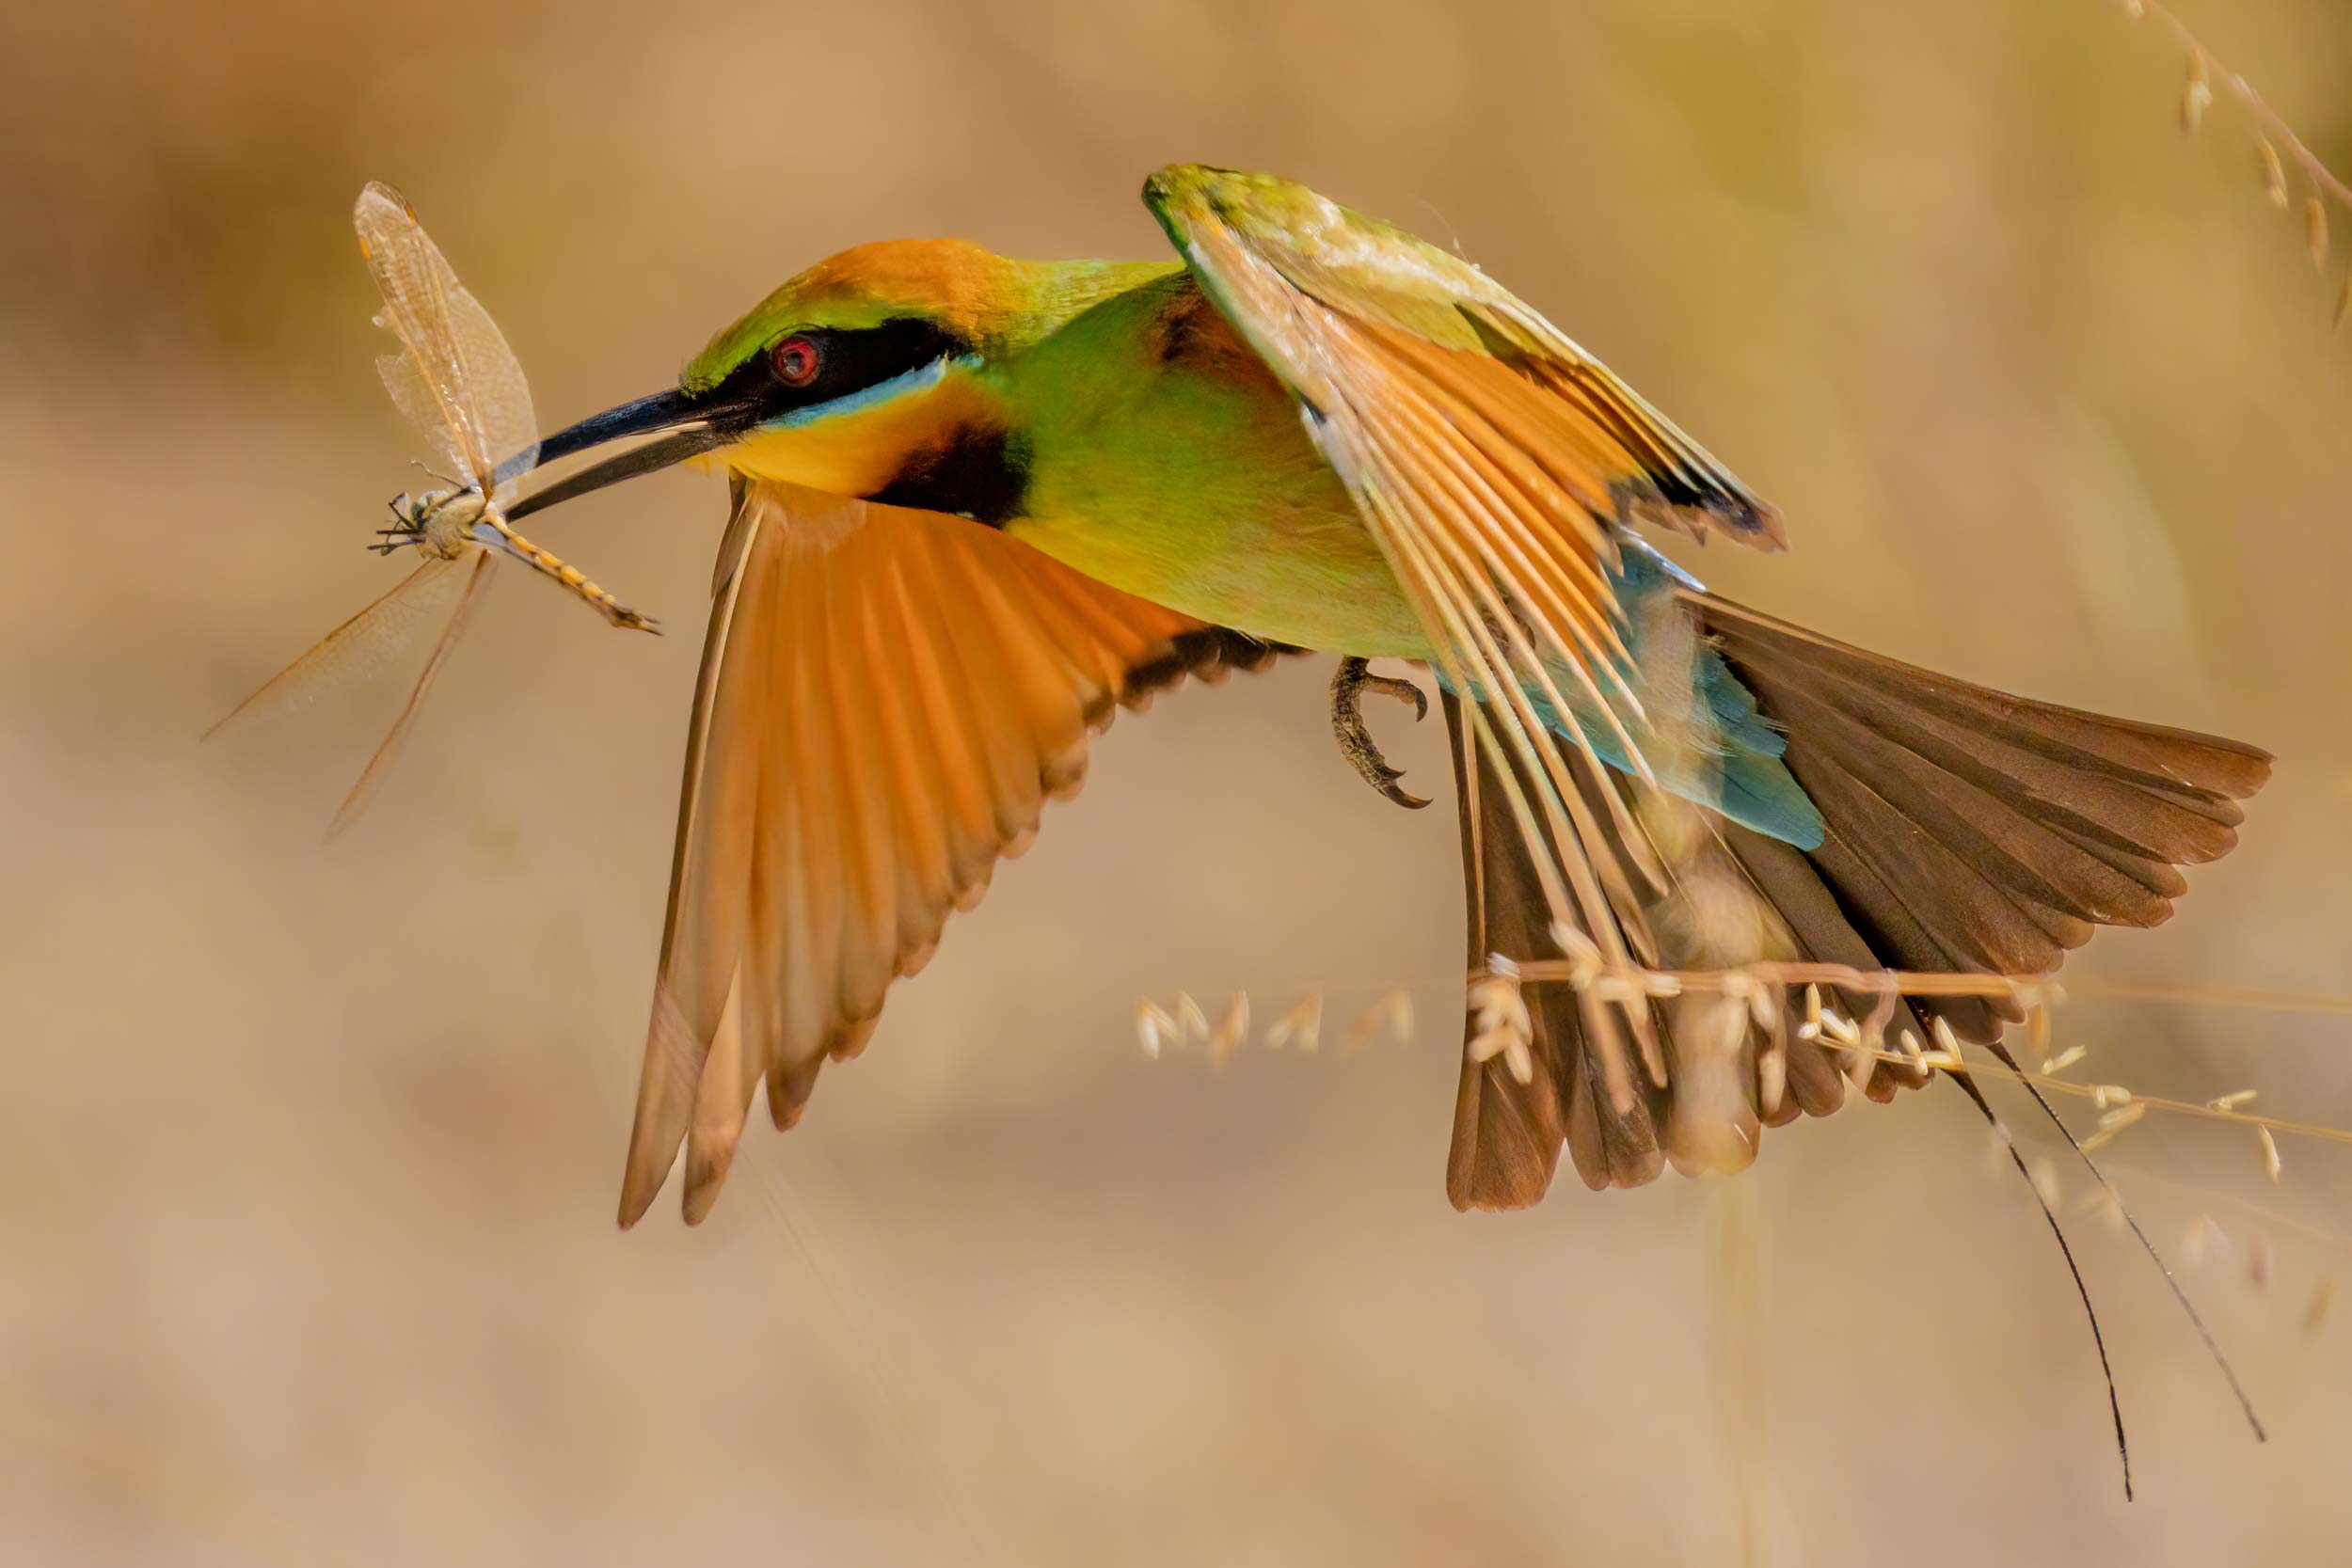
(454, 377)
(1491, 458)
(888, 699)
(1340, 303)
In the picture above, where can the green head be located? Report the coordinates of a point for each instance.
(851, 375)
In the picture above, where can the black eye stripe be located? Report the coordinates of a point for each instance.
(853, 360)
(848, 360)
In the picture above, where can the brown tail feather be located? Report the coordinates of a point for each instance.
(1966, 831)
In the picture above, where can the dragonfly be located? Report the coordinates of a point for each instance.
(454, 378)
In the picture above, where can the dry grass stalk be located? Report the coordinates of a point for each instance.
(2129, 1104)
(1585, 968)
(1798, 986)
(2278, 149)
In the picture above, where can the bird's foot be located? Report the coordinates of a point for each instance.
(1348, 685)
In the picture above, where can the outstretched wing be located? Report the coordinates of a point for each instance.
(888, 699)
(1492, 460)
(1338, 304)
(453, 377)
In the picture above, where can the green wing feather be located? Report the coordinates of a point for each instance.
(1493, 462)
(1376, 273)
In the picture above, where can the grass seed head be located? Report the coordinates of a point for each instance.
(1301, 1026)
(1155, 1028)
(2112, 1126)
(2196, 94)
(2274, 172)
(1232, 1030)
(2322, 1298)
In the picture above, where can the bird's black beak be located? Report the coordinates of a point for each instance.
(687, 425)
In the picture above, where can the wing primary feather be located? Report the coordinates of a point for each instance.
(920, 822)
(959, 761)
(675, 1045)
(816, 863)
(1472, 470)
(1464, 539)
(1463, 637)
(870, 913)
(1528, 667)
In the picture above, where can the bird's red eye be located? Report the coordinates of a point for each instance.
(795, 359)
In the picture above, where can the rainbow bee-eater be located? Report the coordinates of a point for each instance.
(978, 504)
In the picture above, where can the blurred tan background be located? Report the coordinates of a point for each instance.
(307, 1156)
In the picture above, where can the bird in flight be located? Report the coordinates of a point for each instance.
(979, 504)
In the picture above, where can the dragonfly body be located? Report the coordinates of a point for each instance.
(447, 524)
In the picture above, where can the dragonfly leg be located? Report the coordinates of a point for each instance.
(402, 534)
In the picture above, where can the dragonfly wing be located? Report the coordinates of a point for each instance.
(475, 577)
(359, 647)
(453, 377)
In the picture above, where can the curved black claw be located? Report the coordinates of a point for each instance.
(1348, 685)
